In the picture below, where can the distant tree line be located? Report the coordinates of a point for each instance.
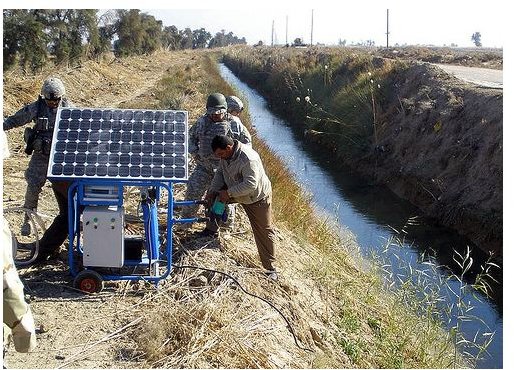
(35, 37)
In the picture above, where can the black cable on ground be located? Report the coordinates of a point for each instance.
(290, 327)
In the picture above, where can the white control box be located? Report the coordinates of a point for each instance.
(103, 236)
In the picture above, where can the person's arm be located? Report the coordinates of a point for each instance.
(217, 182)
(239, 131)
(21, 117)
(193, 138)
(245, 136)
(249, 184)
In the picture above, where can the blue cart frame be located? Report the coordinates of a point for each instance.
(76, 203)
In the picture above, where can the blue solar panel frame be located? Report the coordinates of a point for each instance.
(119, 144)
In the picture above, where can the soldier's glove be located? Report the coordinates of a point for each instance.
(24, 334)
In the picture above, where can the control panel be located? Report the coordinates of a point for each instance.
(103, 233)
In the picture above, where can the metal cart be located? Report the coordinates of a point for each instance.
(99, 250)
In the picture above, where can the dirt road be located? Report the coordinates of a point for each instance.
(491, 78)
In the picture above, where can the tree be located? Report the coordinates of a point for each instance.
(130, 33)
(152, 33)
(32, 37)
(298, 42)
(73, 32)
(25, 40)
(186, 39)
(200, 38)
(224, 39)
(171, 38)
(106, 31)
(476, 38)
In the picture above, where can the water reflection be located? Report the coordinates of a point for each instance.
(372, 212)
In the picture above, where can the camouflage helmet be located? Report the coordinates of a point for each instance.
(53, 89)
(216, 104)
(234, 104)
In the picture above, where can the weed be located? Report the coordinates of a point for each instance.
(424, 286)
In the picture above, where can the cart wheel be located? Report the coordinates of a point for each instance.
(89, 281)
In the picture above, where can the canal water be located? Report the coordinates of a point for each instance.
(375, 216)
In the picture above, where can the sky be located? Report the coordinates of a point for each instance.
(433, 23)
(429, 22)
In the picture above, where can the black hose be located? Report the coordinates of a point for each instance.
(290, 327)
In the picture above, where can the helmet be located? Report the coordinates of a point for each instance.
(216, 104)
(234, 103)
(53, 89)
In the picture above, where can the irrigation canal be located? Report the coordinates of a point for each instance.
(372, 213)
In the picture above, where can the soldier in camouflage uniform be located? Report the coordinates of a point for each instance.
(234, 107)
(18, 319)
(216, 121)
(43, 113)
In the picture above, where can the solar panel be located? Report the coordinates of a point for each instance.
(121, 144)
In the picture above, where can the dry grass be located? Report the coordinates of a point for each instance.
(203, 319)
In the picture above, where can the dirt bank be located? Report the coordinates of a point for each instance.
(440, 145)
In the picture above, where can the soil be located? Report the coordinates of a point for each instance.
(441, 147)
(469, 57)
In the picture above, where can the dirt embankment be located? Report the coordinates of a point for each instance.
(438, 142)
(469, 57)
(440, 145)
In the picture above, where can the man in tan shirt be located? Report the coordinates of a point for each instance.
(240, 178)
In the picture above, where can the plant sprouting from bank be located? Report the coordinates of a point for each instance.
(444, 297)
(476, 347)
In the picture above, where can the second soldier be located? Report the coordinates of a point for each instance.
(216, 121)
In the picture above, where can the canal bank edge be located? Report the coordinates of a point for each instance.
(436, 141)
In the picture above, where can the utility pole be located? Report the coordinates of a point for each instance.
(286, 28)
(272, 31)
(312, 24)
(387, 30)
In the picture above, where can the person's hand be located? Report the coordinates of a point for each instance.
(223, 196)
(209, 198)
(210, 195)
